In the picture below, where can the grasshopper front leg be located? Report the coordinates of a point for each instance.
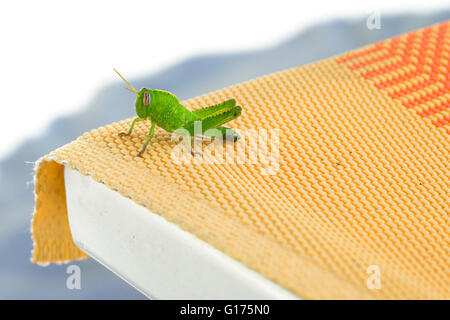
(123, 134)
(150, 136)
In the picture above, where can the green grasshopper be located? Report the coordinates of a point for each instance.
(163, 108)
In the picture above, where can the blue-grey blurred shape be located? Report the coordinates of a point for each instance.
(19, 279)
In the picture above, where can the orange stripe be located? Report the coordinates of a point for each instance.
(442, 122)
(426, 53)
(431, 111)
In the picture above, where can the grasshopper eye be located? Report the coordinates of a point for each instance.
(146, 99)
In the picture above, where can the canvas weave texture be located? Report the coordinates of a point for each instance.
(363, 177)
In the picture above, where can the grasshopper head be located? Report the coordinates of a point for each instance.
(143, 99)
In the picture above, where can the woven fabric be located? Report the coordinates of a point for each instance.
(363, 175)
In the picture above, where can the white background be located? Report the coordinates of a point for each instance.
(55, 55)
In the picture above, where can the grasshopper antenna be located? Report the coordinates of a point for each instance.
(132, 88)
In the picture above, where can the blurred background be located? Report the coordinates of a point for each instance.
(57, 82)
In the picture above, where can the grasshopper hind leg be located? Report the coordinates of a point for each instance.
(216, 122)
(228, 134)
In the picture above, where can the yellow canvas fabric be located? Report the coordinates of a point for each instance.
(363, 176)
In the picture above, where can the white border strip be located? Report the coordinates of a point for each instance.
(155, 256)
